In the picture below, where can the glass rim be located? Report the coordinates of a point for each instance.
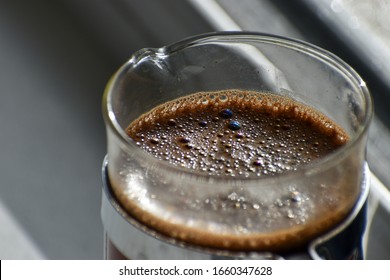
(318, 165)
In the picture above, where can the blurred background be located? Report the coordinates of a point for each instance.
(56, 57)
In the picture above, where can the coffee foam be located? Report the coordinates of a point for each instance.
(236, 133)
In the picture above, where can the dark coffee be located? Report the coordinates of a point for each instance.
(243, 135)
(226, 133)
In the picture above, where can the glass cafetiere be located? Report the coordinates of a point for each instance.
(224, 61)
